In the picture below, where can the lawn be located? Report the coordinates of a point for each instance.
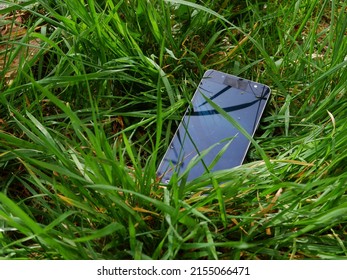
(92, 91)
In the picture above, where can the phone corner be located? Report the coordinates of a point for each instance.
(209, 72)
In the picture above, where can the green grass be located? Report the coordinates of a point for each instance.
(87, 116)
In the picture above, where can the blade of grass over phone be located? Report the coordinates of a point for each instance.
(241, 129)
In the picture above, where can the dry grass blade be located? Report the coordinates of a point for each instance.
(16, 47)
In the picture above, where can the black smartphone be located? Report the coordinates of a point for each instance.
(205, 139)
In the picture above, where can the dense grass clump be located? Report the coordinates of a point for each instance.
(90, 95)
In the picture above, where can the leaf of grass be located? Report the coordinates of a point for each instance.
(109, 229)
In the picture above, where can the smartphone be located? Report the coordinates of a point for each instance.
(205, 139)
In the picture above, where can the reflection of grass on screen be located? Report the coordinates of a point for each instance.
(92, 91)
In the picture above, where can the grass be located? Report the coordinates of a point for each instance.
(91, 92)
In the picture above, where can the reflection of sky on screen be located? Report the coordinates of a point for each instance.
(206, 128)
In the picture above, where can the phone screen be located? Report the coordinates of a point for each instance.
(205, 140)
